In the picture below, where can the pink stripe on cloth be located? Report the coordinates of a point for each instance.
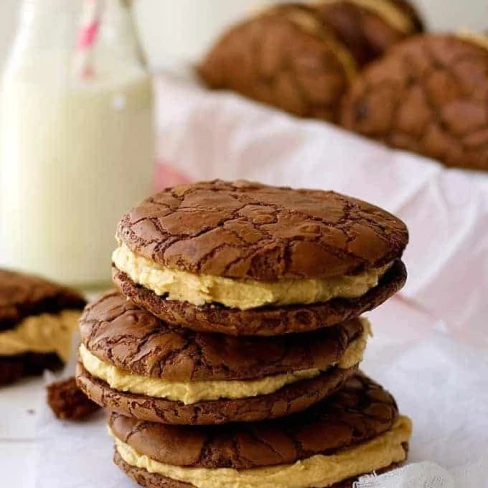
(88, 35)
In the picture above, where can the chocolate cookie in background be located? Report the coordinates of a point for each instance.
(369, 27)
(252, 260)
(285, 59)
(135, 364)
(358, 431)
(37, 320)
(428, 95)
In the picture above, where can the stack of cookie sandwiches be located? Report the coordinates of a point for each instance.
(229, 356)
(37, 321)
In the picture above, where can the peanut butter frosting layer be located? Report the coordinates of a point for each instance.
(191, 392)
(131, 339)
(249, 231)
(288, 400)
(199, 290)
(42, 334)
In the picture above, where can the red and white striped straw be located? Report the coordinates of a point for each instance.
(87, 37)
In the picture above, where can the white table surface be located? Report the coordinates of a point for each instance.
(19, 409)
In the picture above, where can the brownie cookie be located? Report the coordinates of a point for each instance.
(369, 27)
(357, 431)
(267, 321)
(248, 259)
(429, 95)
(133, 363)
(37, 318)
(285, 59)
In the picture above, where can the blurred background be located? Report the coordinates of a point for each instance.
(180, 29)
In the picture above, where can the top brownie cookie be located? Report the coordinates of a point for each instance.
(246, 230)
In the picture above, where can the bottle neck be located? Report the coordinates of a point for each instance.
(119, 32)
(52, 26)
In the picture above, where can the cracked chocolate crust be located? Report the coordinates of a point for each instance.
(23, 295)
(286, 401)
(13, 368)
(429, 96)
(130, 338)
(245, 230)
(153, 480)
(266, 321)
(290, 64)
(365, 32)
(358, 413)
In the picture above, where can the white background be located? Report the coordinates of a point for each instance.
(158, 17)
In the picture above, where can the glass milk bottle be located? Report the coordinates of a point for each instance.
(76, 151)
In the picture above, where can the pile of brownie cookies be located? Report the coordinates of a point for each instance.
(230, 355)
(303, 57)
(368, 66)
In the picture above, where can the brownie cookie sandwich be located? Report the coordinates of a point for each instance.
(252, 260)
(133, 363)
(369, 27)
(285, 58)
(356, 432)
(37, 320)
(427, 96)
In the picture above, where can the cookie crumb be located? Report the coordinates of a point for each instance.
(68, 402)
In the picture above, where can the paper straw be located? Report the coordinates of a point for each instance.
(87, 37)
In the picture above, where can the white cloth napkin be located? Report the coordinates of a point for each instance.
(206, 135)
(441, 384)
(429, 475)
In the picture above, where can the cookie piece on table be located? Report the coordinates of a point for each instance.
(37, 320)
(356, 432)
(284, 59)
(429, 96)
(68, 402)
(135, 364)
(369, 27)
(243, 258)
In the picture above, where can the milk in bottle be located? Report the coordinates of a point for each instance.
(76, 153)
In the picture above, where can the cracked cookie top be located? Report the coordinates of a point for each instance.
(245, 230)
